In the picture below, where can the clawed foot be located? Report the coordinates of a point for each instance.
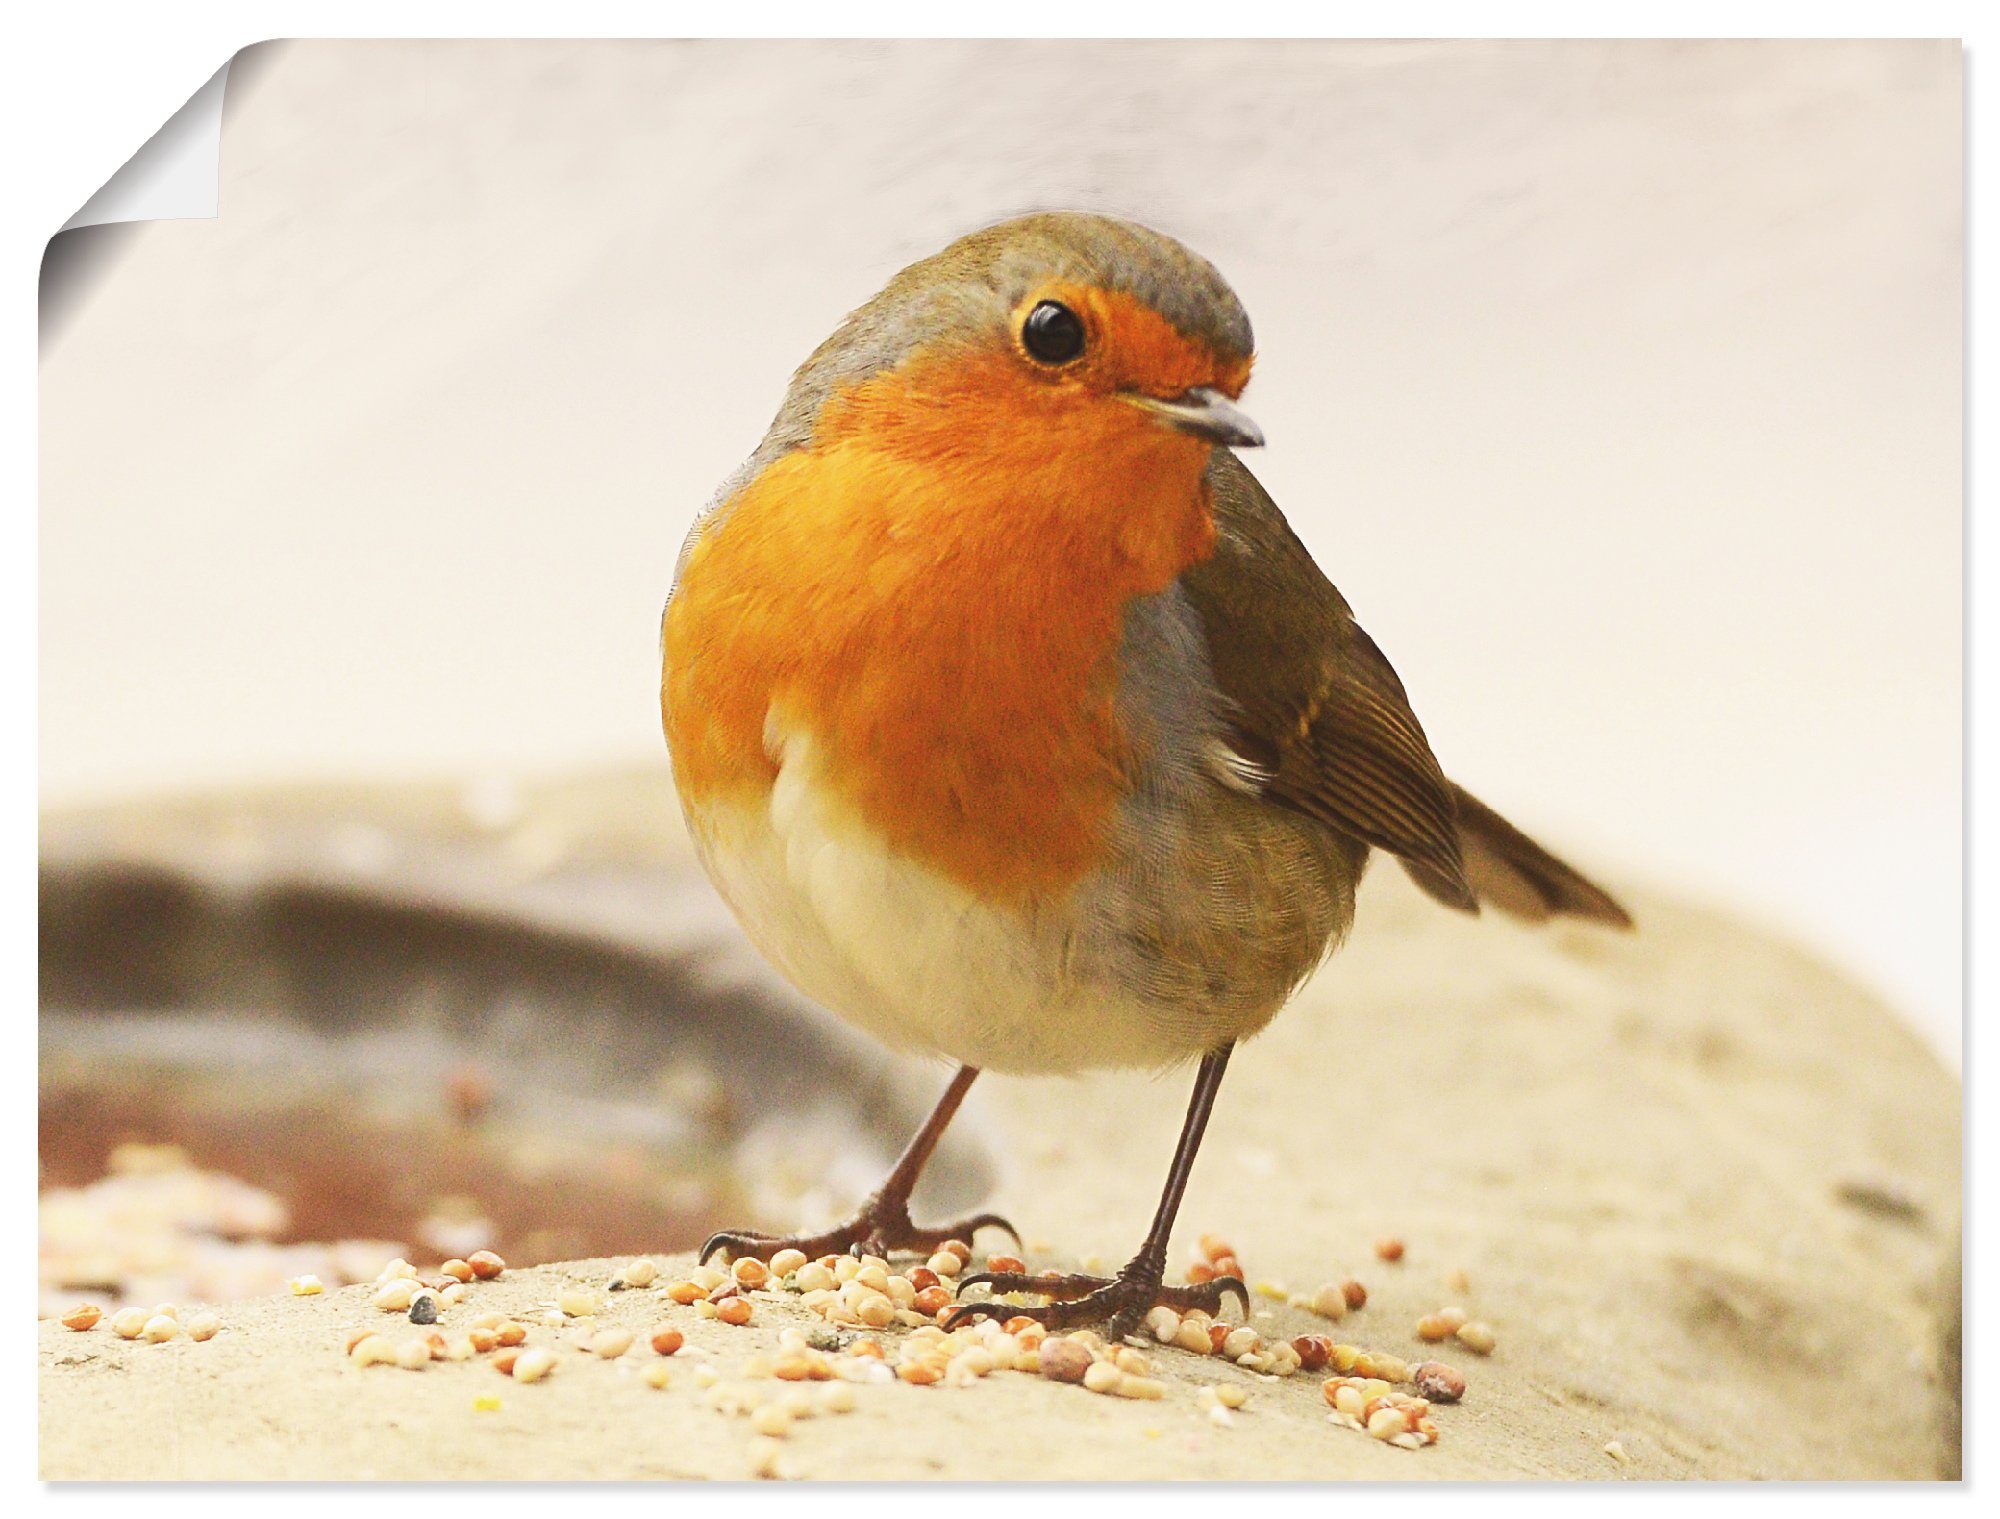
(878, 1228)
(1075, 1300)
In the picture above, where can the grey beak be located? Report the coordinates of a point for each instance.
(1207, 414)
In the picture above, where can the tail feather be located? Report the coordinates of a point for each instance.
(1515, 874)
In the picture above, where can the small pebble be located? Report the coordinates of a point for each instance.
(424, 1308)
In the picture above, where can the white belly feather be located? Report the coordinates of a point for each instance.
(912, 958)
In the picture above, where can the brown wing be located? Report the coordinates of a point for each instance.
(1316, 706)
(1322, 718)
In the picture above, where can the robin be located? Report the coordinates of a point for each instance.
(1016, 725)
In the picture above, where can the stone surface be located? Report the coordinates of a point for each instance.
(1706, 1191)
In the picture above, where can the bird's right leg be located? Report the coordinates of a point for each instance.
(882, 1223)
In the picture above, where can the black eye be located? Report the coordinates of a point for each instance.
(1052, 333)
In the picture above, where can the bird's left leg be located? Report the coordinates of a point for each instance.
(882, 1223)
(1126, 1298)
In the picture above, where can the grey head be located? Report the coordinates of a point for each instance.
(969, 291)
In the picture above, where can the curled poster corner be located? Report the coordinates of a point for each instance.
(175, 175)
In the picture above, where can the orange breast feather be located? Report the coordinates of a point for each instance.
(936, 591)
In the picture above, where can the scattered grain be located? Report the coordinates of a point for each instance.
(1064, 1359)
(1314, 1351)
(610, 1343)
(1098, 1376)
(1477, 1337)
(1438, 1382)
(532, 1364)
(1329, 1302)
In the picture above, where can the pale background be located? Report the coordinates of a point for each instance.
(1618, 386)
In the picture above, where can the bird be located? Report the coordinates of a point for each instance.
(1017, 727)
